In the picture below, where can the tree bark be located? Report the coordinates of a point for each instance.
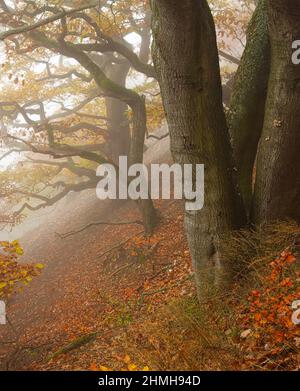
(277, 187)
(139, 128)
(116, 110)
(186, 61)
(247, 105)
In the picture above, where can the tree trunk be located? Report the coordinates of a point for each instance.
(277, 187)
(247, 105)
(116, 111)
(139, 128)
(186, 60)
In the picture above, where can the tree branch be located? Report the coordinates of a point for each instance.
(71, 233)
(26, 28)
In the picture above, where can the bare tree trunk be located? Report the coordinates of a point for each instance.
(186, 60)
(139, 127)
(145, 49)
(247, 105)
(116, 110)
(277, 187)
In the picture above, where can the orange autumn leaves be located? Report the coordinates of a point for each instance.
(268, 311)
(13, 273)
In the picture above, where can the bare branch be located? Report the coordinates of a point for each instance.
(157, 137)
(71, 233)
(229, 57)
(26, 28)
(51, 201)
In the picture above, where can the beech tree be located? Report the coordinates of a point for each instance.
(247, 104)
(87, 64)
(186, 60)
(277, 187)
(105, 61)
(65, 103)
(263, 121)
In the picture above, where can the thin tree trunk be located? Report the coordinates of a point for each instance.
(186, 60)
(247, 105)
(116, 110)
(139, 128)
(277, 187)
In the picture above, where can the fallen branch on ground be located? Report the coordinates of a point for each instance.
(77, 343)
(71, 233)
(119, 244)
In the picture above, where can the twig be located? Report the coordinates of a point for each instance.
(161, 290)
(123, 267)
(119, 244)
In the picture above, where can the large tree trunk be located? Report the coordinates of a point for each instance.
(277, 187)
(186, 60)
(247, 106)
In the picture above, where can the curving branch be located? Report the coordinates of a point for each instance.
(24, 28)
(60, 151)
(51, 201)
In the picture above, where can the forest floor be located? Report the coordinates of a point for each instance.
(99, 281)
(111, 298)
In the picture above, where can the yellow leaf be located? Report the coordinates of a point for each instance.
(19, 251)
(39, 265)
(146, 368)
(103, 368)
(132, 367)
(2, 285)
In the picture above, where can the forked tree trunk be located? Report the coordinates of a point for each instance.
(247, 105)
(277, 188)
(186, 60)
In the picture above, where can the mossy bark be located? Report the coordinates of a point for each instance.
(247, 105)
(277, 187)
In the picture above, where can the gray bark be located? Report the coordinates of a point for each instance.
(116, 110)
(186, 61)
(277, 187)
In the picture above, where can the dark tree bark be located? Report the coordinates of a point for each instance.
(277, 187)
(186, 61)
(247, 105)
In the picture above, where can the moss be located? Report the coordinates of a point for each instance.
(77, 343)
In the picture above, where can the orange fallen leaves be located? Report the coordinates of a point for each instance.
(268, 311)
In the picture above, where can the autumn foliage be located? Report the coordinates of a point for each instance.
(267, 312)
(13, 274)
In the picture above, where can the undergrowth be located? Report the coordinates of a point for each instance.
(251, 328)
